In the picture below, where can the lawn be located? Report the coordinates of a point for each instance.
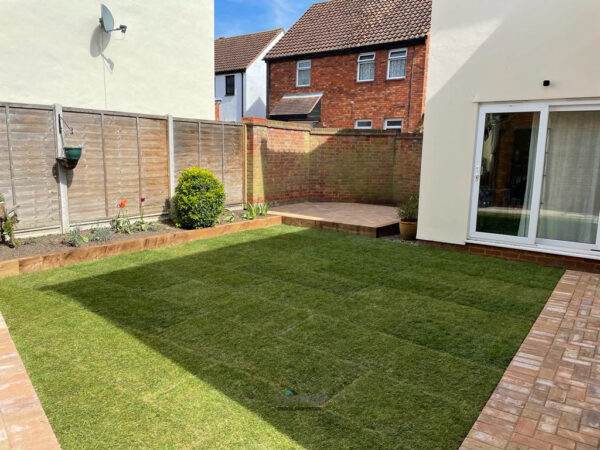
(384, 344)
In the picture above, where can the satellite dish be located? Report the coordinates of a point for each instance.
(108, 22)
(106, 19)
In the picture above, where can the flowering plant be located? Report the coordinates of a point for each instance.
(121, 222)
(141, 224)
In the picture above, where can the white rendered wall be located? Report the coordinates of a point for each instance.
(53, 52)
(488, 51)
(231, 105)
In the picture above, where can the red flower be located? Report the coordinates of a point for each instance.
(142, 199)
(123, 203)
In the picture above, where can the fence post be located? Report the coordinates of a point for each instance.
(63, 199)
(171, 140)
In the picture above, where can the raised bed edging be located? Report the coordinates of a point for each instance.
(36, 263)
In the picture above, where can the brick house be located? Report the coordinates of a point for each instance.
(353, 64)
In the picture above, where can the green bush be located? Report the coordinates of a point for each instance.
(199, 199)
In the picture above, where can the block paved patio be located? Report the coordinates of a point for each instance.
(23, 423)
(549, 396)
(356, 218)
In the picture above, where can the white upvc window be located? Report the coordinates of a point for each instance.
(363, 124)
(393, 124)
(303, 73)
(366, 67)
(397, 64)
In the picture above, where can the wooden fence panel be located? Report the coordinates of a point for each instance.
(5, 180)
(32, 139)
(234, 165)
(186, 146)
(86, 190)
(211, 145)
(154, 164)
(122, 163)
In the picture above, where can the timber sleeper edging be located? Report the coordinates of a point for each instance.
(69, 257)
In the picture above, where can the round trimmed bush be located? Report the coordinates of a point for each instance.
(199, 199)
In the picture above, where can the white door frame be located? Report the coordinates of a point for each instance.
(542, 108)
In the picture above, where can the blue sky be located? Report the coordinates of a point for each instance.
(233, 17)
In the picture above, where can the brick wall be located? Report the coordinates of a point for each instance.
(288, 162)
(346, 100)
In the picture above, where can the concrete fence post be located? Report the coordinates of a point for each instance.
(171, 146)
(63, 196)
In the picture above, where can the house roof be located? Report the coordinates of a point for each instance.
(345, 24)
(238, 52)
(296, 105)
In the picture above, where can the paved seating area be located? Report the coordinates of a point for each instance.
(549, 396)
(23, 423)
(356, 218)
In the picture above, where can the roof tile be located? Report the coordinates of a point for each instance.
(344, 24)
(238, 52)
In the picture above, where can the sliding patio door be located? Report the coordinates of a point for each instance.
(508, 170)
(570, 203)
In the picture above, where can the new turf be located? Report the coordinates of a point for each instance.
(196, 345)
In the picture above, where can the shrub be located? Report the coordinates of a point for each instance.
(199, 199)
(76, 239)
(1, 197)
(409, 210)
(101, 234)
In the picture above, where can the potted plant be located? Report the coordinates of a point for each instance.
(408, 212)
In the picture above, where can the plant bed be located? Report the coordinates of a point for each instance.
(48, 252)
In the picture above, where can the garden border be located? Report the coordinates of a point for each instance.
(47, 261)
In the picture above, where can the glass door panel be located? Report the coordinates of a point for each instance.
(570, 202)
(505, 174)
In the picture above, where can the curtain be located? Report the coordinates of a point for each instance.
(366, 71)
(397, 68)
(571, 190)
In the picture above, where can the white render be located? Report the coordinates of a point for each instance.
(51, 53)
(485, 51)
(250, 99)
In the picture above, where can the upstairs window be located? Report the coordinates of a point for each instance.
(230, 85)
(366, 67)
(397, 64)
(303, 73)
(363, 124)
(393, 124)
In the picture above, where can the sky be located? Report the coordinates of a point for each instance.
(233, 17)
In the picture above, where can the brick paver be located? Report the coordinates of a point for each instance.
(361, 214)
(549, 396)
(23, 423)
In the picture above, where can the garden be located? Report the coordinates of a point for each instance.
(199, 202)
(280, 337)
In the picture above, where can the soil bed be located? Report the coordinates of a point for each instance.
(42, 245)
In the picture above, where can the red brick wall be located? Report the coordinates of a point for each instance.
(545, 259)
(289, 162)
(346, 100)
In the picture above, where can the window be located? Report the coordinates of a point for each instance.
(397, 64)
(363, 124)
(366, 67)
(393, 124)
(303, 73)
(230, 85)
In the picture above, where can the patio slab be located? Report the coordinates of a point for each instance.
(23, 423)
(549, 396)
(355, 218)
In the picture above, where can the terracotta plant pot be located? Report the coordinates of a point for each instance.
(408, 230)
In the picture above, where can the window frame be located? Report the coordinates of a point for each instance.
(397, 58)
(298, 69)
(393, 127)
(359, 63)
(226, 90)
(370, 127)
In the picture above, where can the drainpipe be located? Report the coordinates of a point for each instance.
(410, 89)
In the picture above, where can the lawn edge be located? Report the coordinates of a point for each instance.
(73, 256)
